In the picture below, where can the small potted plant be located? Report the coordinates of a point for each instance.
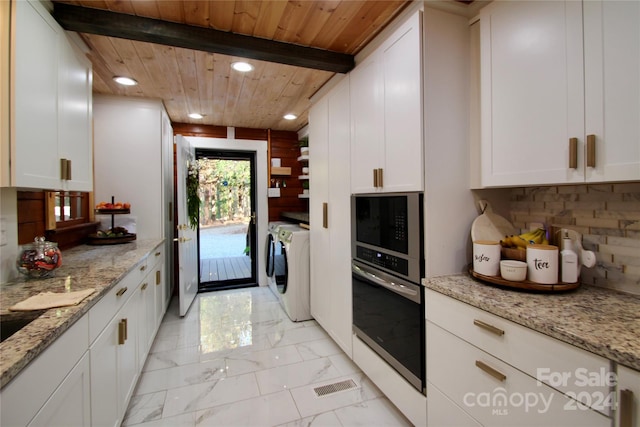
(304, 145)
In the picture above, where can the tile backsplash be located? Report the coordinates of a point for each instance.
(607, 216)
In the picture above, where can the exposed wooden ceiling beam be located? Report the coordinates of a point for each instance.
(120, 25)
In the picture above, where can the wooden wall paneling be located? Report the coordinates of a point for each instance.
(31, 214)
(209, 131)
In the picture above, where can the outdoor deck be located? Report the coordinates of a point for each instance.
(217, 269)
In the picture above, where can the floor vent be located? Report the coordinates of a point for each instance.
(328, 389)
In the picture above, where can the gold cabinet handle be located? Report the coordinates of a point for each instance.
(143, 268)
(126, 329)
(325, 215)
(63, 168)
(625, 408)
(375, 178)
(380, 178)
(573, 153)
(158, 253)
(488, 327)
(144, 286)
(591, 151)
(489, 370)
(69, 170)
(158, 277)
(121, 332)
(121, 291)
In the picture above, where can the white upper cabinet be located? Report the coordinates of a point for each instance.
(386, 114)
(51, 100)
(540, 79)
(612, 84)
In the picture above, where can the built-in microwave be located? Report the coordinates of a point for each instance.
(387, 233)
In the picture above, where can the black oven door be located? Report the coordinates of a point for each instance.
(388, 316)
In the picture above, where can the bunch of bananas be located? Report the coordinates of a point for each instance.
(535, 237)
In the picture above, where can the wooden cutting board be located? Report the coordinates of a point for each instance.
(489, 225)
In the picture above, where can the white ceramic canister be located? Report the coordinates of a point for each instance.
(486, 257)
(542, 264)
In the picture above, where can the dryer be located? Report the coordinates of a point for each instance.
(291, 272)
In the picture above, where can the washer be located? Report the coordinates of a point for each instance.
(272, 238)
(291, 283)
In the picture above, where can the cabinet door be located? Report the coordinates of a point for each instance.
(320, 296)
(75, 116)
(146, 297)
(35, 163)
(104, 381)
(127, 355)
(70, 403)
(532, 96)
(339, 256)
(402, 71)
(628, 413)
(612, 84)
(367, 124)
(161, 296)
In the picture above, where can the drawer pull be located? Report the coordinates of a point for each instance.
(158, 277)
(625, 408)
(122, 332)
(121, 291)
(158, 253)
(143, 268)
(489, 370)
(126, 329)
(591, 151)
(488, 327)
(573, 153)
(144, 286)
(375, 178)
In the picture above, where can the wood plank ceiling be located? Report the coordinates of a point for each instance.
(189, 80)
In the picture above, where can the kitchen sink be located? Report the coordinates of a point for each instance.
(12, 322)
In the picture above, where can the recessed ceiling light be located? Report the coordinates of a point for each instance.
(195, 115)
(125, 81)
(242, 66)
(290, 117)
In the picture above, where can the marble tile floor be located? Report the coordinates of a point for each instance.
(236, 359)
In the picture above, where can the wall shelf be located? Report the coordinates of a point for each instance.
(281, 171)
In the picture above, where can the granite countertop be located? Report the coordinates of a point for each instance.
(602, 321)
(83, 267)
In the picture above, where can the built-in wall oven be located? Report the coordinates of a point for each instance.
(387, 265)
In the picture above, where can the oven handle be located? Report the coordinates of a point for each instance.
(395, 287)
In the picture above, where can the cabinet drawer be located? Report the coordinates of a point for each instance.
(496, 393)
(108, 306)
(156, 257)
(442, 412)
(558, 364)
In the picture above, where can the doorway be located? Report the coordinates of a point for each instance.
(227, 231)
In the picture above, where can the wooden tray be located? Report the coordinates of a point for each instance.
(525, 284)
(93, 239)
(112, 211)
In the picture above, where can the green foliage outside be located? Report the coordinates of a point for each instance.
(225, 191)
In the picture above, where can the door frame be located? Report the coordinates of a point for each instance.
(262, 208)
(243, 156)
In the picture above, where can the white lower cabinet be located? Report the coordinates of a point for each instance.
(114, 366)
(489, 371)
(443, 412)
(628, 398)
(54, 386)
(70, 404)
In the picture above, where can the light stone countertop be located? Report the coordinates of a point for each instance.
(83, 267)
(598, 320)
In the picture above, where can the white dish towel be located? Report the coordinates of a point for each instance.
(46, 300)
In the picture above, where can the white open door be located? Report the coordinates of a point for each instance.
(187, 236)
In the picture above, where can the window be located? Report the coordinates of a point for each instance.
(69, 208)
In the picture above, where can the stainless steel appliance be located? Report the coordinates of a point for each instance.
(387, 265)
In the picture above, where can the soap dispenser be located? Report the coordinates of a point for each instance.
(568, 261)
